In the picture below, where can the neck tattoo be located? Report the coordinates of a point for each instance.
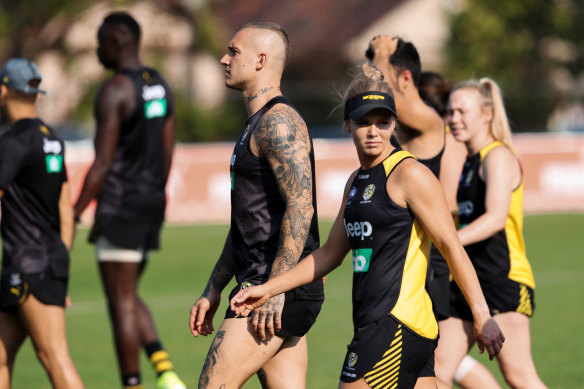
(260, 92)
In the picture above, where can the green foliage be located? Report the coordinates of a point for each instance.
(209, 35)
(21, 23)
(201, 124)
(506, 40)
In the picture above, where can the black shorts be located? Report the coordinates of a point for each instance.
(300, 309)
(127, 234)
(506, 296)
(387, 353)
(15, 289)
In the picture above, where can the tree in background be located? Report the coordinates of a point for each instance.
(34, 28)
(533, 48)
(26, 27)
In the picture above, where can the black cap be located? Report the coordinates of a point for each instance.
(18, 73)
(363, 103)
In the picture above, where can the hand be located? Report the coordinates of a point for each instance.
(202, 313)
(67, 301)
(488, 335)
(381, 45)
(248, 299)
(268, 316)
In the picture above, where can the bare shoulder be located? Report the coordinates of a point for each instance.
(411, 179)
(412, 172)
(282, 114)
(501, 162)
(115, 89)
(500, 153)
(281, 129)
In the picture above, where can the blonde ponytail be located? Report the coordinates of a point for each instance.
(500, 128)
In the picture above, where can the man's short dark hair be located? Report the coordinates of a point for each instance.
(127, 20)
(406, 57)
(277, 29)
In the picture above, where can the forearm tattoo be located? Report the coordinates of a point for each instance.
(224, 269)
(283, 139)
(211, 360)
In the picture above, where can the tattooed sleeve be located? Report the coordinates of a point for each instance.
(282, 138)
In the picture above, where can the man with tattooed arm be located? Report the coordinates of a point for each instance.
(273, 225)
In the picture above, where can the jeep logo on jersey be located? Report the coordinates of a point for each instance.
(51, 146)
(368, 193)
(155, 101)
(361, 260)
(465, 208)
(361, 229)
(154, 92)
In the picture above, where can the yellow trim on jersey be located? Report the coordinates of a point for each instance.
(520, 269)
(413, 306)
(391, 162)
(488, 148)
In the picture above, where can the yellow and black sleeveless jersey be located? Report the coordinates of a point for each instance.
(503, 254)
(390, 253)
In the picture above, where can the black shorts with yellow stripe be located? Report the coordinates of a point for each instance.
(387, 354)
(16, 287)
(504, 296)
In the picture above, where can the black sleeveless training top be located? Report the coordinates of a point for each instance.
(32, 173)
(134, 187)
(257, 207)
(431, 163)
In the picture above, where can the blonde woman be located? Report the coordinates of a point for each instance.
(490, 209)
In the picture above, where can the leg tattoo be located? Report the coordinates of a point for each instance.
(211, 360)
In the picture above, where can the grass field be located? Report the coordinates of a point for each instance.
(177, 276)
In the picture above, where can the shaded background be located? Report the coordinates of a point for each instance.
(533, 48)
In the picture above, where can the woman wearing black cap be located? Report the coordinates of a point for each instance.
(388, 205)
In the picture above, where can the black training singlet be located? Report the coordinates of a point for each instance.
(390, 253)
(503, 254)
(32, 172)
(257, 207)
(134, 187)
(431, 163)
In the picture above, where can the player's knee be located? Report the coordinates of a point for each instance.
(45, 357)
(122, 306)
(517, 376)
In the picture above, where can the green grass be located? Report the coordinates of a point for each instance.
(176, 276)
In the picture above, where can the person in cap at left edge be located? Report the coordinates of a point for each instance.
(37, 231)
